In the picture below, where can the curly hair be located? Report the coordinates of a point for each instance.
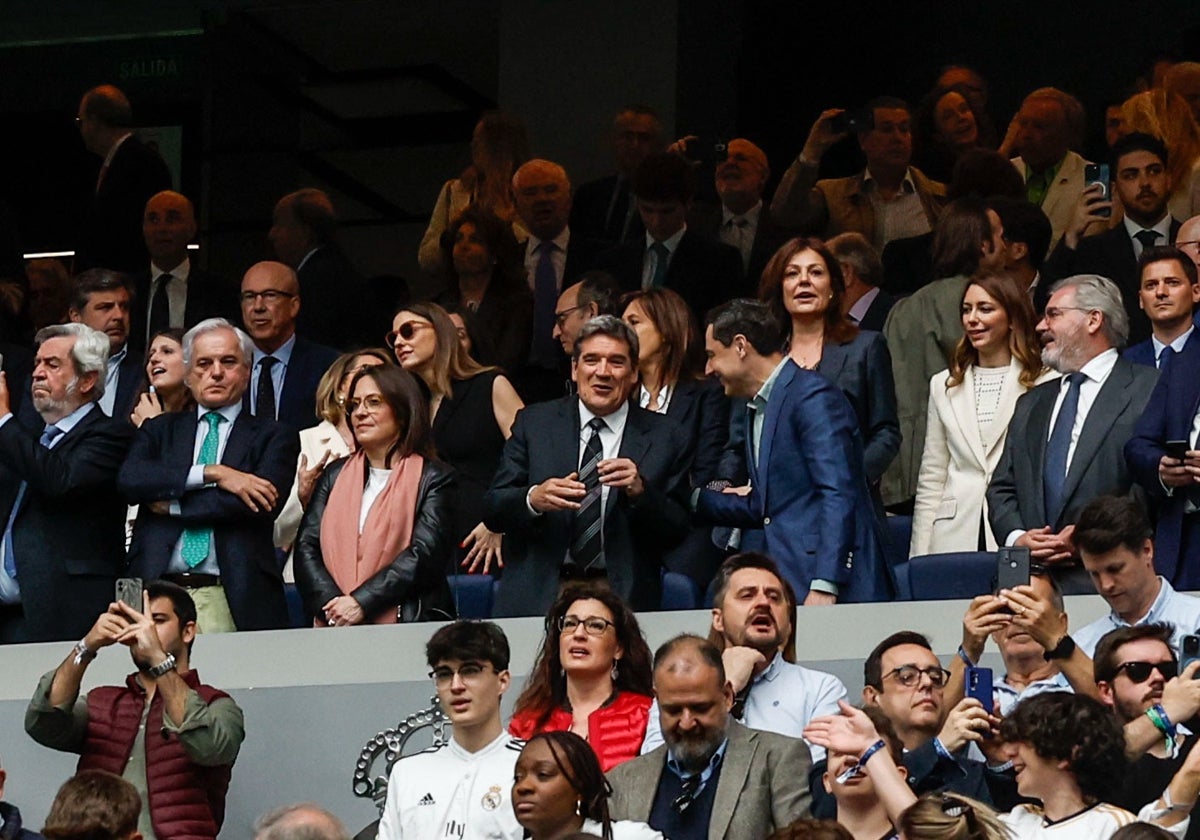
(1076, 729)
(578, 763)
(546, 689)
(838, 328)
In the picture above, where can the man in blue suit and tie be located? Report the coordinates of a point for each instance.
(808, 506)
(1168, 292)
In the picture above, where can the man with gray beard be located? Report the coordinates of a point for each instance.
(63, 543)
(1065, 443)
(713, 778)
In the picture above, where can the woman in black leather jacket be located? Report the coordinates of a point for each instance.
(375, 538)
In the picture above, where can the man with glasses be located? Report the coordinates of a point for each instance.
(460, 789)
(286, 368)
(1065, 442)
(904, 679)
(596, 293)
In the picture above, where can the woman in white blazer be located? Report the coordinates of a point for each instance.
(970, 404)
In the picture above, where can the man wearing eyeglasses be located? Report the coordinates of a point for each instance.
(904, 679)
(1066, 440)
(286, 368)
(595, 294)
(460, 789)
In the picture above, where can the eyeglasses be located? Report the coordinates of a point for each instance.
(270, 296)
(467, 672)
(1139, 672)
(1055, 312)
(407, 330)
(371, 403)
(592, 625)
(910, 675)
(560, 317)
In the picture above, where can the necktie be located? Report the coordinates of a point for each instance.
(660, 265)
(1147, 238)
(1037, 186)
(264, 398)
(738, 228)
(1164, 360)
(586, 543)
(1054, 472)
(10, 564)
(195, 540)
(160, 307)
(545, 296)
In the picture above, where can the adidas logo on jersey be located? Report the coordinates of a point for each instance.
(427, 799)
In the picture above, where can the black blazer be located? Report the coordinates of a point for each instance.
(415, 580)
(589, 210)
(157, 469)
(1016, 495)
(69, 535)
(1109, 254)
(337, 307)
(298, 403)
(207, 297)
(130, 376)
(111, 236)
(545, 444)
(582, 252)
(769, 237)
(704, 273)
(701, 408)
(876, 315)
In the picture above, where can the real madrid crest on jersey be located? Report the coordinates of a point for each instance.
(492, 799)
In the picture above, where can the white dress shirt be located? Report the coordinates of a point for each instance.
(1162, 228)
(558, 258)
(176, 294)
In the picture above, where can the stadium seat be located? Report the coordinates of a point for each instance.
(679, 592)
(899, 537)
(295, 607)
(959, 574)
(473, 595)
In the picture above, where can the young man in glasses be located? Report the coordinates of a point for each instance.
(460, 789)
(904, 679)
(1138, 678)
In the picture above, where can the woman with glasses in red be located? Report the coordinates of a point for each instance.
(374, 539)
(591, 677)
(471, 412)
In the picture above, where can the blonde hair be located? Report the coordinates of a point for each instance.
(949, 816)
(328, 407)
(1166, 115)
(450, 362)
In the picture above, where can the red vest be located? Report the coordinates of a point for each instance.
(615, 731)
(187, 801)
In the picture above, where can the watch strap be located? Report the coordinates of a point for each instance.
(1063, 650)
(161, 668)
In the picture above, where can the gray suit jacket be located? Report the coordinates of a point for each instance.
(763, 785)
(1016, 499)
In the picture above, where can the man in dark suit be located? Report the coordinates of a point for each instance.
(1168, 293)
(174, 292)
(341, 310)
(807, 505)
(704, 273)
(209, 484)
(589, 486)
(741, 220)
(604, 209)
(1065, 443)
(555, 257)
(64, 534)
(864, 302)
(111, 236)
(713, 778)
(293, 365)
(1141, 181)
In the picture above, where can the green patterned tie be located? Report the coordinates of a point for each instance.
(196, 540)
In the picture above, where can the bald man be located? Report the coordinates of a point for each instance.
(130, 173)
(174, 293)
(741, 219)
(286, 368)
(305, 821)
(554, 259)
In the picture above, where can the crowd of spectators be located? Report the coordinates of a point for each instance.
(990, 335)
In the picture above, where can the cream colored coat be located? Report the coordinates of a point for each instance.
(314, 443)
(957, 464)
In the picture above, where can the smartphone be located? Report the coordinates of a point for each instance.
(1191, 651)
(851, 120)
(979, 685)
(1176, 449)
(1012, 568)
(1097, 173)
(129, 591)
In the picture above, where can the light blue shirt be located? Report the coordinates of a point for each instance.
(1176, 345)
(195, 481)
(10, 592)
(1171, 607)
(782, 699)
(759, 406)
(706, 773)
(112, 377)
(284, 355)
(1009, 695)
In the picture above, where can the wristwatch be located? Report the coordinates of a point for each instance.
(1062, 650)
(161, 668)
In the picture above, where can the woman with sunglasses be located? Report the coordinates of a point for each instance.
(559, 791)
(591, 677)
(373, 544)
(471, 410)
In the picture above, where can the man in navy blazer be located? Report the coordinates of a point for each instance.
(294, 366)
(807, 506)
(1168, 294)
(209, 483)
(544, 488)
(1173, 483)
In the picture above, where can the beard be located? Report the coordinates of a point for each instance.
(694, 750)
(57, 408)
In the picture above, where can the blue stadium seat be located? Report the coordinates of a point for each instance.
(679, 592)
(959, 574)
(903, 584)
(473, 595)
(295, 607)
(899, 537)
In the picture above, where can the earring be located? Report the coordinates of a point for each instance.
(579, 807)
(613, 673)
